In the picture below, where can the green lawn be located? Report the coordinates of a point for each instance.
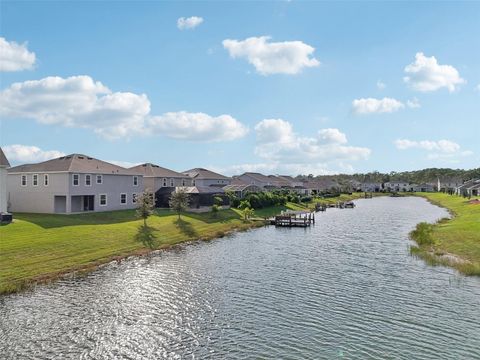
(39, 247)
(459, 236)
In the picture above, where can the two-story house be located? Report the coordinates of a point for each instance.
(71, 184)
(203, 178)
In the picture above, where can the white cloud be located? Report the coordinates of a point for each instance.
(197, 126)
(189, 23)
(376, 106)
(413, 103)
(381, 85)
(81, 102)
(444, 150)
(277, 142)
(15, 57)
(446, 146)
(280, 168)
(288, 57)
(29, 154)
(125, 164)
(425, 74)
(477, 88)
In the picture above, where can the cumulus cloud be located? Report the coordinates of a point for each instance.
(15, 57)
(425, 74)
(81, 102)
(288, 57)
(376, 106)
(189, 23)
(277, 142)
(436, 150)
(29, 154)
(197, 126)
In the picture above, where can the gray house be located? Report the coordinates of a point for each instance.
(156, 177)
(260, 180)
(72, 184)
(203, 177)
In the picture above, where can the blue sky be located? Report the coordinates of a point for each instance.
(278, 87)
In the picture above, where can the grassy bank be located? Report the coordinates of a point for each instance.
(453, 242)
(41, 247)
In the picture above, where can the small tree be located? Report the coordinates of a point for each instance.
(179, 201)
(145, 206)
(248, 213)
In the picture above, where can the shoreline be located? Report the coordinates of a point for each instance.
(430, 241)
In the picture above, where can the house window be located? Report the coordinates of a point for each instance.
(88, 180)
(123, 198)
(24, 180)
(35, 180)
(171, 183)
(135, 181)
(45, 180)
(99, 179)
(134, 198)
(183, 182)
(164, 182)
(76, 179)
(103, 199)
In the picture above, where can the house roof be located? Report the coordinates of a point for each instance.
(258, 177)
(239, 187)
(203, 190)
(204, 174)
(3, 159)
(75, 163)
(152, 170)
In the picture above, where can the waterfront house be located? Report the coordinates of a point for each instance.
(371, 187)
(262, 181)
(204, 196)
(398, 186)
(466, 188)
(240, 188)
(161, 181)
(4, 165)
(203, 177)
(423, 187)
(72, 184)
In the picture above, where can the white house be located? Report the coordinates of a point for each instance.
(4, 165)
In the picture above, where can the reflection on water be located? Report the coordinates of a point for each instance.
(345, 288)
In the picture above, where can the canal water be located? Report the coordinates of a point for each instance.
(345, 288)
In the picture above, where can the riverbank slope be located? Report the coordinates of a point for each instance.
(41, 247)
(453, 242)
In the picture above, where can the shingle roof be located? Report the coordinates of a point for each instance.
(152, 170)
(204, 174)
(75, 163)
(258, 177)
(3, 159)
(203, 190)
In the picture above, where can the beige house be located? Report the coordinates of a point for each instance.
(72, 184)
(203, 177)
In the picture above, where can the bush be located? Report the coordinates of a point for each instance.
(423, 234)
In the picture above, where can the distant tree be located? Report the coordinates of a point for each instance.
(145, 206)
(179, 201)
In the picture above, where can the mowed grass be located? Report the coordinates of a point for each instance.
(459, 236)
(40, 247)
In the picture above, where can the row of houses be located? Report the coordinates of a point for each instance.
(78, 183)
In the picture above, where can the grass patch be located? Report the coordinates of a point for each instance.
(453, 242)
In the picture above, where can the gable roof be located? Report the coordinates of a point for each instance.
(258, 177)
(152, 170)
(3, 159)
(74, 163)
(204, 174)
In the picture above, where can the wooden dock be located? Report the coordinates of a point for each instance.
(293, 219)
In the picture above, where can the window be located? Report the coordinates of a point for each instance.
(183, 182)
(24, 180)
(164, 182)
(99, 179)
(103, 199)
(135, 181)
(76, 180)
(134, 198)
(123, 198)
(88, 180)
(171, 183)
(35, 180)
(45, 180)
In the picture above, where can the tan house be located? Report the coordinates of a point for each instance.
(156, 177)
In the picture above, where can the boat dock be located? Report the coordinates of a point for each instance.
(293, 219)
